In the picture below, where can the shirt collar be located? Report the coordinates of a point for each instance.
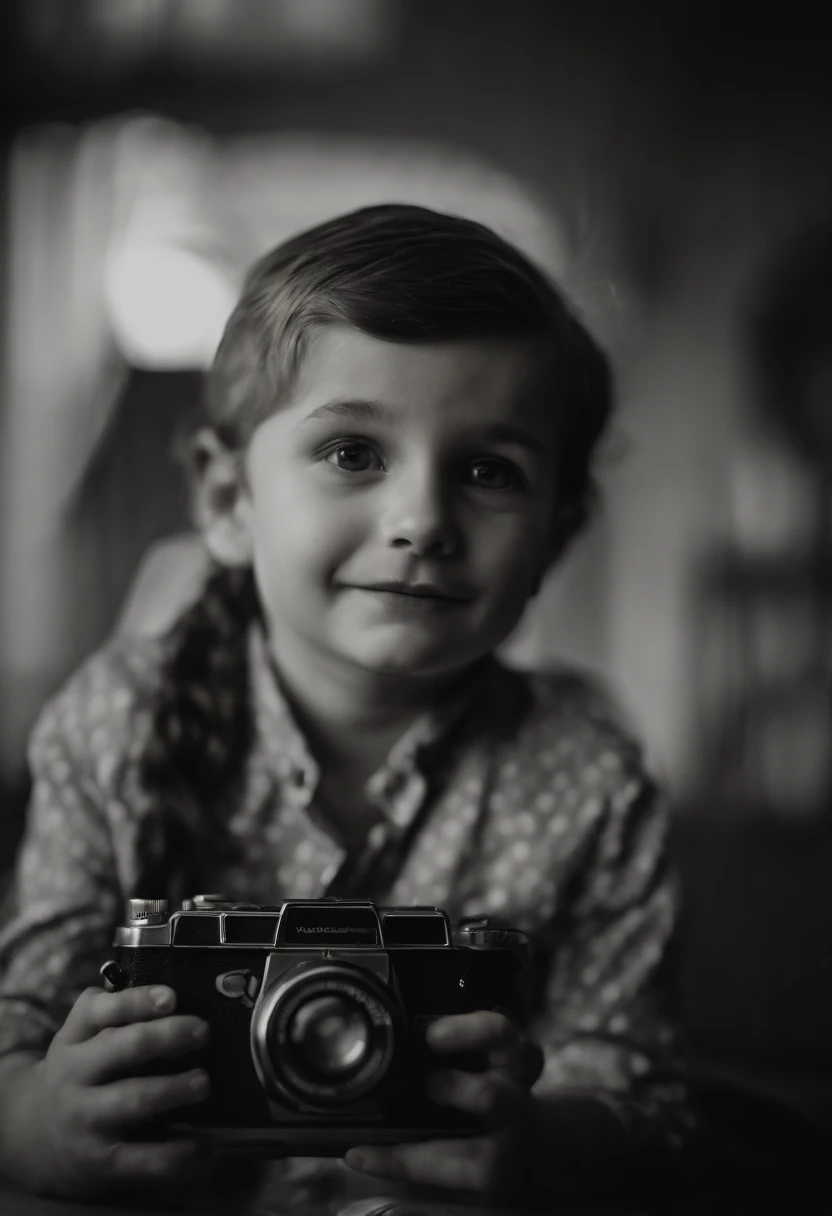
(285, 747)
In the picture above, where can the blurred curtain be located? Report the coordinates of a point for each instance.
(83, 204)
(62, 374)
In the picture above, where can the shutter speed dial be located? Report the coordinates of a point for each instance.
(147, 911)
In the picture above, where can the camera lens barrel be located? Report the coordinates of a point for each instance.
(324, 1036)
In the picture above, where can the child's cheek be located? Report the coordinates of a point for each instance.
(513, 561)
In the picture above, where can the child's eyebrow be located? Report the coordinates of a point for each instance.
(509, 432)
(378, 411)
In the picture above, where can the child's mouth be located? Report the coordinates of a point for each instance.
(414, 597)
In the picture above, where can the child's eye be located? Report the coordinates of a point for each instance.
(353, 457)
(495, 475)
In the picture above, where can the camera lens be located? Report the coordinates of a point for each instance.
(324, 1036)
(331, 1035)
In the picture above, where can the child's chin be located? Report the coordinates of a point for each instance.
(405, 660)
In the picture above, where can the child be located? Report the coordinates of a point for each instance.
(401, 419)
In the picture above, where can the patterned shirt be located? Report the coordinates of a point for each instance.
(520, 799)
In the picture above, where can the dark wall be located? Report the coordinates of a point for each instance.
(642, 120)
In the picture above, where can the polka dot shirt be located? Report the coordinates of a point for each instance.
(521, 800)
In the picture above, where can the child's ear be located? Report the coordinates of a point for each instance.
(221, 504)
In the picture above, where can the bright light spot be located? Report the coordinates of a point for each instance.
(168, 306)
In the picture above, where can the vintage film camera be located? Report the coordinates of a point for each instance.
(318, 1010)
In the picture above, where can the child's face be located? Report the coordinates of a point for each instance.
(413, 464)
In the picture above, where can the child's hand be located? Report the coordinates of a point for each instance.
(80, 1121)
(490, 1164)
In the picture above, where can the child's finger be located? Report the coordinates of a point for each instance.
(485, 1030)
(488, 1096)
(467, 1165)
(378, 1206)
(124, 1050)
(522, 1063)
(135, 1162)
(382, 1206)
(95, 1010)
(139, 1099)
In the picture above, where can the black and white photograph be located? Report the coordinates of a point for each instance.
(415, 608)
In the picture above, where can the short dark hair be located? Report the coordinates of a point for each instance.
(407, 274)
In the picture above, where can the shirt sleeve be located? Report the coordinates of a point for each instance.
(608, 1020)
(63, 901)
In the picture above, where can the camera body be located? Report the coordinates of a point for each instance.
(318, 1011)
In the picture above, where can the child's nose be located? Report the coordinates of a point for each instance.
(418, 516)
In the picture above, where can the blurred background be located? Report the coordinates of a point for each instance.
(669, 164)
